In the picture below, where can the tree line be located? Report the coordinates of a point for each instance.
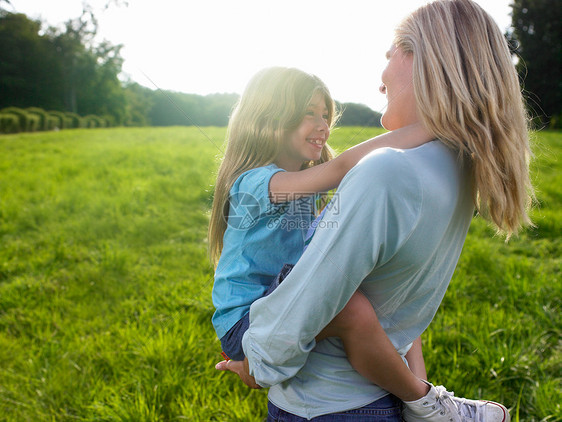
(66, 70)
(536, 40)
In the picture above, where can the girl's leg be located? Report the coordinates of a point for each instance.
(370, 351)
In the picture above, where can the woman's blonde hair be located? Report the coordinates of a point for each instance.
(468, 95)
(272, 106)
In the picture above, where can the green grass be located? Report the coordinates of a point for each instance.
(105, 285)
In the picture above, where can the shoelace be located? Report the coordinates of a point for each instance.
(460, 409)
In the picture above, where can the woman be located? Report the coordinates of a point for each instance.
(402, 222)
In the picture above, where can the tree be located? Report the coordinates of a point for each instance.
(536, 33)
(139, 102)
(59, 69)
(28, 67)
(176, 108)
(90, 71)
(358, 115)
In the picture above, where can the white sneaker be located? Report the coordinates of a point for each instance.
(440, 405)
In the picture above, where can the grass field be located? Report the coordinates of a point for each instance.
(105, 286)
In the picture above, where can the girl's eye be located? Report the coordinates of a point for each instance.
(325, 116)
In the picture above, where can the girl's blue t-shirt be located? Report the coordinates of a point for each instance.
(259, 239)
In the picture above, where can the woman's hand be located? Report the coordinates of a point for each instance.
(241, 368)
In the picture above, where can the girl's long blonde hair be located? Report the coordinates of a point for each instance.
(272, 106)
(468, 95)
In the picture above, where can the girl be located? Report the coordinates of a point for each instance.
(276, 160)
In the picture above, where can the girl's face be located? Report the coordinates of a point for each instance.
(397, 84)
(306, 142)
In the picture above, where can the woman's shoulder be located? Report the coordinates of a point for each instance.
(390, 163)
(410, 173)
(395, 172)
(382, 164)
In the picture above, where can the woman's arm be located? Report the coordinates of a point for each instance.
(288, 186)
(415, 359)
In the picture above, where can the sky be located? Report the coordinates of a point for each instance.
(215, 46)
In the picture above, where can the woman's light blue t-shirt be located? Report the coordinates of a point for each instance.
(260, 237)
(397, 236)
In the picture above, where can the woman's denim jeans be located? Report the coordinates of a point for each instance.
(386, 409)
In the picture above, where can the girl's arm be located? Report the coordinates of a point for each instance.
(286, 186)
(415, 359)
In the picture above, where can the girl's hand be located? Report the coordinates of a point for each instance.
(241, 368)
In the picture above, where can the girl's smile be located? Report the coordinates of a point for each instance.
(317, 142)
